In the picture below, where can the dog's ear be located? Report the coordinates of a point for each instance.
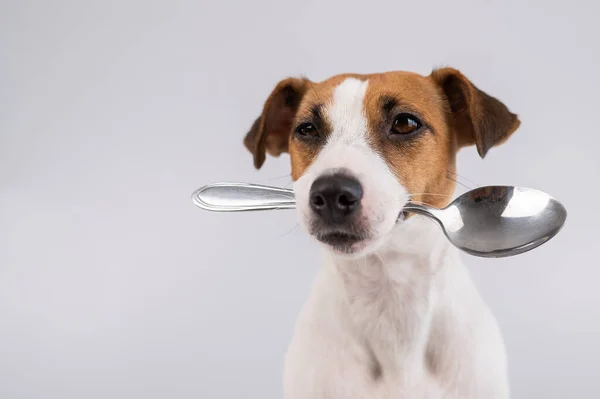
(478, 118)
(271, 130)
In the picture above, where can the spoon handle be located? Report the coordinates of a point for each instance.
(237, 197)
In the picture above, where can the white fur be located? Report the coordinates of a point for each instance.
(400, 318)
(347, 148)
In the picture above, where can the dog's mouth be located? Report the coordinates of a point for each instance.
(341, 241)
(351, 237)
(348, 238)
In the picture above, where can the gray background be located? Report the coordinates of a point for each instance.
(111, 113)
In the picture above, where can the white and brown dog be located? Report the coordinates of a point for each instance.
(393, 312)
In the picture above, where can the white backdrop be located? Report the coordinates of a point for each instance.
(111, 113)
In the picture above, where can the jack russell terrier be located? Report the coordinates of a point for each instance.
(393, 312)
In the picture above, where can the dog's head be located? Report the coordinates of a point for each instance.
(362, 146)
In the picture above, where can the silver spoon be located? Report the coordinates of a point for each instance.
(492, 222)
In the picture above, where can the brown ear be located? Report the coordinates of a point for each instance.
(272, 129)
(479, 119)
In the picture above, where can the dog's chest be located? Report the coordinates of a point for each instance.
(362, 334)
(388, 300)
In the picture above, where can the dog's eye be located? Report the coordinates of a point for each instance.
(307, 130)
(405, 124)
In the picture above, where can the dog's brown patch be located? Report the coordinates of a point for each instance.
(454, 112)
(420, 163)
(318, 95)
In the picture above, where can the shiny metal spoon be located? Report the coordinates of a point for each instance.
(492, 222)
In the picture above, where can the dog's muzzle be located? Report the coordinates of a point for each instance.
(335, 201)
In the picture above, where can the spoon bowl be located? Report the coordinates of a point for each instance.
(498, 221)
(492, 221)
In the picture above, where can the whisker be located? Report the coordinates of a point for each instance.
(289, 231)
(462, 177)
(458, 182)
(275, 178)
(441, 195)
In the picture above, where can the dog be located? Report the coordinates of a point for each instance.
(393, 312)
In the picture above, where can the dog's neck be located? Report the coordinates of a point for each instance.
(390, 290)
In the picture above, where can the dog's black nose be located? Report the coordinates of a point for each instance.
(335, 197)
